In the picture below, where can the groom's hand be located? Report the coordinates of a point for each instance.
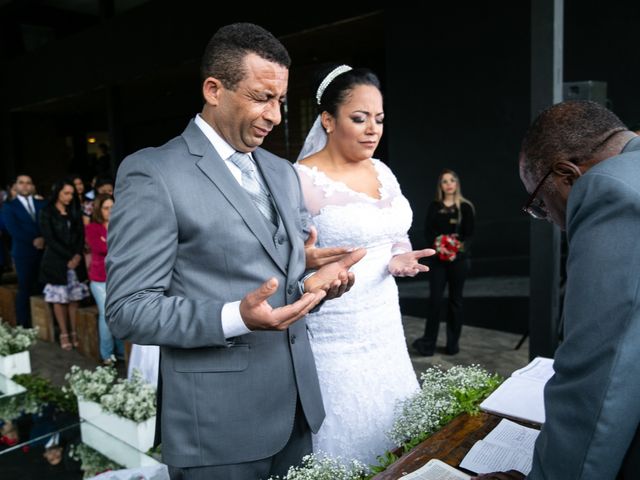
(335, 278)
(257, 314)
(318, 257)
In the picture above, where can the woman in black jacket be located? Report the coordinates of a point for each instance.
(448, 228)
(62, 268)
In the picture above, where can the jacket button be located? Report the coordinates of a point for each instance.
(280, 239)
(290, 290)
(293, 339)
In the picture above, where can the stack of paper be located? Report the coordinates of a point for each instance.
(521, 396)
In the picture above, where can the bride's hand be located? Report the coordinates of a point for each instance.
(407, 265)
(319, 257)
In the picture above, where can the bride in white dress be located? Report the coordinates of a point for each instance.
(355, 201)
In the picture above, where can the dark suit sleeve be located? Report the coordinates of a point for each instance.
(591, 403)
(142, 249)
(12, 224)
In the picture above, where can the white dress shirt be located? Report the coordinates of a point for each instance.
(27, 203)
(232, 323)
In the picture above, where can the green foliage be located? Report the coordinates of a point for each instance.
(92, 462)
(384, 461)
(469, 399)
(44, 391)
(40, 392)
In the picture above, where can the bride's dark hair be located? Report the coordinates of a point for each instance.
(341, 86)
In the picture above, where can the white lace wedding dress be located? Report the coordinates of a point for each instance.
(357, 340)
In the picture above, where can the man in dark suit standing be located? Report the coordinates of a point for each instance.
(216, 274)
(21, 221)
(581, 166)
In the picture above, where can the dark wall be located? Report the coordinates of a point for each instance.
(601, 43)
(458, 83)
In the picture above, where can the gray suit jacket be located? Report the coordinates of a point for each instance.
(593, 400)
(184, 239)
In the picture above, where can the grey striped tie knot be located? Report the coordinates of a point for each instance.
(254, 185)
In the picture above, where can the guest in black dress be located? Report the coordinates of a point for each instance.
(449, 228)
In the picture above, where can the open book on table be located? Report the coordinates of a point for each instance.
(436, 469)
(521, 396)
(508, 446)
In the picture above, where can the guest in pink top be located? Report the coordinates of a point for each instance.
(96, 239)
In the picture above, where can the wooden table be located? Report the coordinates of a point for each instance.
(450, 444)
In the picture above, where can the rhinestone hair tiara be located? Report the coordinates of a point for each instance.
(329, 78)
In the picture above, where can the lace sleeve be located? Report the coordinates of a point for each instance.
(401, 244)
(313, 194)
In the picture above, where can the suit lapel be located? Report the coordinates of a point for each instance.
(215, 169)
(24, 212)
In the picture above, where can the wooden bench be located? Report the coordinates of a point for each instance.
(8, 303)
(42, 317)
(88, 332)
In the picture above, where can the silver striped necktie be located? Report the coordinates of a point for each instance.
(254, 185)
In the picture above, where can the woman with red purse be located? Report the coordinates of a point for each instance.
(449, 227)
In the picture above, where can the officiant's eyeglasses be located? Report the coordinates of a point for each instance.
(534, 206)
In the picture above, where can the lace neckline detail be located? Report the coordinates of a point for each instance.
(329, 185)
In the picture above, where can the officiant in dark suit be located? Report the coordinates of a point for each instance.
(21, 221)
(581, 166)
(207, 259)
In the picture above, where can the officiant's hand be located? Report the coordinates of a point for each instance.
(335, 278)
(510, 475)
(408, 265)
(318, 257)
(258, 314)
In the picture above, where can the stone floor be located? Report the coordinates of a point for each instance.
(491, 349)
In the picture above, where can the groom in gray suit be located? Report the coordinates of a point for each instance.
(207, 259)
(582, 167)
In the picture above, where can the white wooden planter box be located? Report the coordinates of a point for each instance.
(11, 365)
(137, 435)
(116, 450)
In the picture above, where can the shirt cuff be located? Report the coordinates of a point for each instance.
(304, 279)
(232, 323)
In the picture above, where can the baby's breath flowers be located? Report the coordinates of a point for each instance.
(15, 339)
(319, 466)
(444, 394)
(133, 399)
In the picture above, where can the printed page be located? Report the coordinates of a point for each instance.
(540, 368)
(508, 446)
(517, 397)
(513, 435)
(436, 470)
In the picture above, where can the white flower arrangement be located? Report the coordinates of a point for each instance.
(16, 339)
(322, 467)
(443, 395)
(133, 399)
(91, 385)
